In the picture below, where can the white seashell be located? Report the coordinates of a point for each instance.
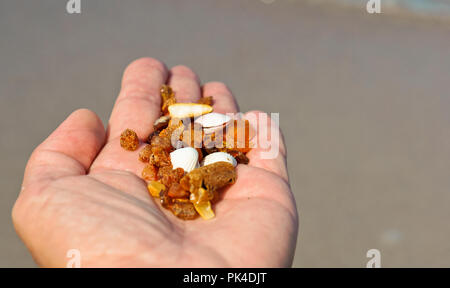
(187, 110)
(213, 120)
(212, 130)
(219, 157)
(214, 123)
(186, 158)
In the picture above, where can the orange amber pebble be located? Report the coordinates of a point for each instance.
(129, 140)
(166, 92)
(166, 104)
(200, 154)
(240, 157)
(167, 98)
(169, 176)
(183, 209)
(204, 181)
(176, 191)
(160, 157)
(150, 173)
(173, 132)
(145, 154)
(208, 100)
(161, 142)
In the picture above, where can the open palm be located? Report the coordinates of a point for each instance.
(82, 191)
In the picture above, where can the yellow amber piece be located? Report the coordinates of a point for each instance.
(155, 187)
(205, 210)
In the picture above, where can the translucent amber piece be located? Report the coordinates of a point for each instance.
(150, 173)
(155, 187)
(201, 195)
(169, 176)
(166, 92)
(208, 100)
(145, 154)
(167, 97)
(205, 210)
(176, 191)
(183, 209)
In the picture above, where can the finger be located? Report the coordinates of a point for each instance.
(69, 150)
(114, 157)
(269, 151)
(139, 103)
(224, 101)
(185, 84)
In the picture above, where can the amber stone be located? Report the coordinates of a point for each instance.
(176, 191)
(150, 173)
(145, 154)
(208, 100)
(129, 140)
(204, 181)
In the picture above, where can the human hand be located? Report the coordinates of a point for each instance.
(82, 191)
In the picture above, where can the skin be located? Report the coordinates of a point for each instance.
(82, 191)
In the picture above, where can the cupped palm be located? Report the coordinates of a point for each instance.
(82, 191)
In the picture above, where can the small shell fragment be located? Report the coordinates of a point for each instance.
(161, 123)
(187, 110)
(185, 158)
(213, 120)
(219, 157)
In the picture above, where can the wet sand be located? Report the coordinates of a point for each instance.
(363, 101)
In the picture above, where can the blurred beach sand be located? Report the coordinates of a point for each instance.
(363, 100)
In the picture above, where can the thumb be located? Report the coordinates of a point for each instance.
(69, 150)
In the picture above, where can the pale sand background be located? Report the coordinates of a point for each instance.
(364, 103)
